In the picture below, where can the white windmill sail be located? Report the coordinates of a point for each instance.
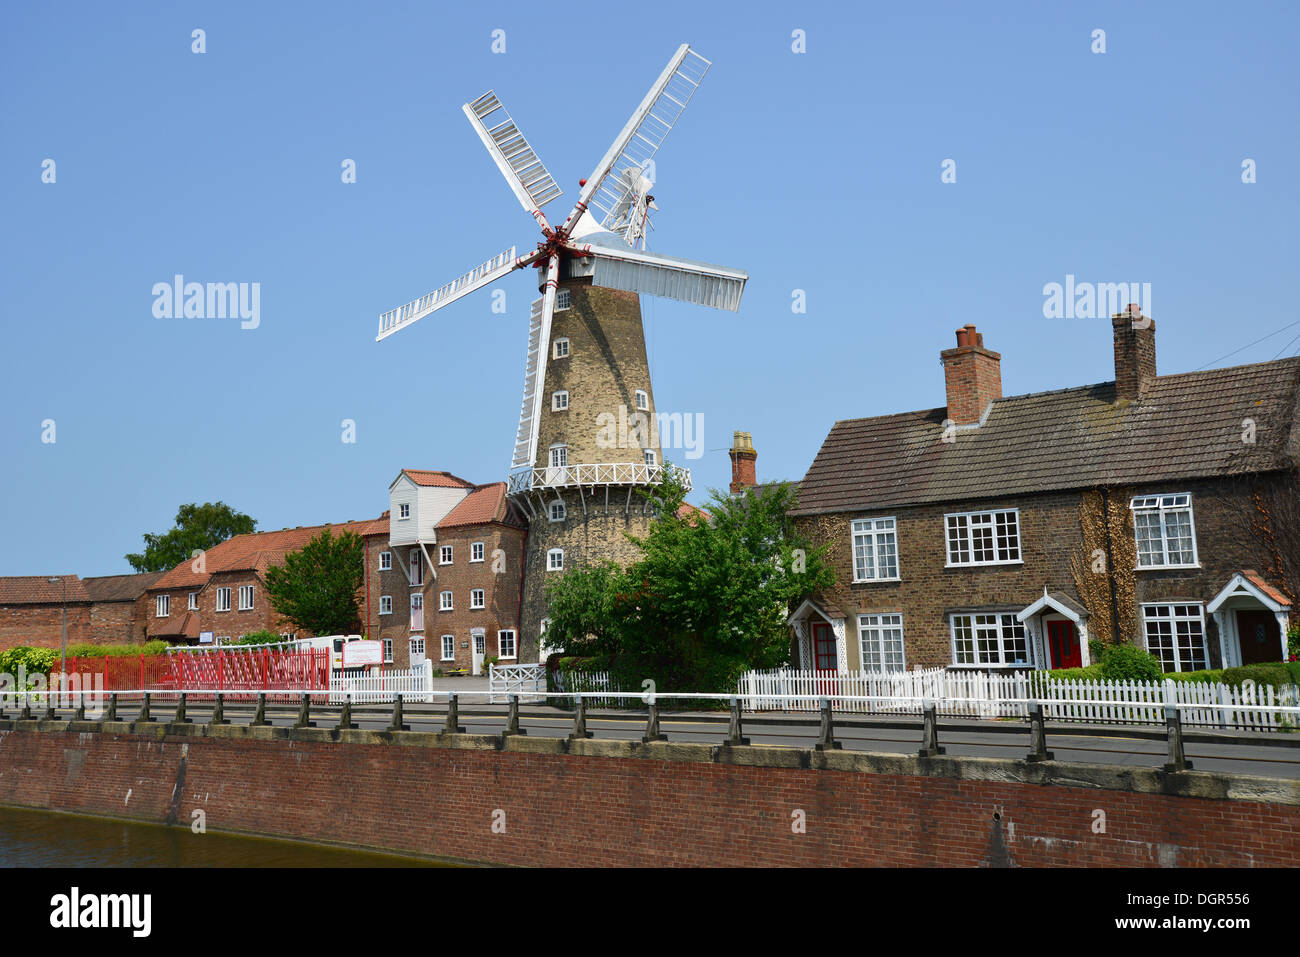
(654, 274)
(476, 278)
(534, 372)
(532, 184)
(607, 187)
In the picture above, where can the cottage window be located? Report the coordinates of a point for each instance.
(385, 604)
(388, 651)
(448, 647)
(223, 599)
(444, 555)
(476, 598)
(880, 640)
(984, 538)
(194, 601)
(476, 552)
(875, 549)
(444, 601)
(994, 640)
(505, 644)
(163, 606)
(245, 597)
(385, 561)
(1176, 635)
(1164, 530)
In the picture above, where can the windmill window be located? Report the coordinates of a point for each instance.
(559, 401)
(557, 511)
(559, 456)
(650, 457)
(562, 300)
(642, 400)
(561, 349)
(555, 560)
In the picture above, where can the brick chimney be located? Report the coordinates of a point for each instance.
(744, 473)
(972, 376)
(1135, 352)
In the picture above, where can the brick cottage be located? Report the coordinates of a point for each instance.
(1004, 532)
(109, 609)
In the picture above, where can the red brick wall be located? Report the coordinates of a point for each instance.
(40, 626)
(584, 810)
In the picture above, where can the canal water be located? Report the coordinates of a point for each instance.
(45, 839)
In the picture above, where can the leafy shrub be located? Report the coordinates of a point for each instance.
(1090, 673)
(86, 650)
(31, 660)
(1194, 677)
(1130, 663)
(260, 638)
(1277, 675)
(1294, 668)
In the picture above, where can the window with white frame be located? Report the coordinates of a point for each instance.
(563, 299)
(476, 552)
(404, 510)
(417, 611)
(559, 456)
(506, 644)
(1165, 532)
(476, 598)
(417, 567)
(194, 601)
(385, 604)
(557, 511)
(448, 647)
(555, 560)
(245, 597)
(875, 549)
(994, 640)
(984, 538)
(1176, 635)
(560, 349)
(642, 400)
(223, 599)
(385, 561)
(880, 640)
(444, 601)
(444, 555)
(559, 401)
(415, 646)
(163, 606)
(388, 651)
(650, 457)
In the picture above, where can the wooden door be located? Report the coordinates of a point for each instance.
(1258, 637)
(825, 658)
(1063, 642)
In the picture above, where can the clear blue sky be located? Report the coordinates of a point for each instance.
(817, 171)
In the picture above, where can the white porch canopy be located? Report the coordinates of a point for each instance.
(1054, 604)
(798, 620)
(1245, 591)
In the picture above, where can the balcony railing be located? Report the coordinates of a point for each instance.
(611, 473)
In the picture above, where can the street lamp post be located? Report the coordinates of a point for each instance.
(63, 645)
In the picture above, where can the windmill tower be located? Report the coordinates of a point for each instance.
(587, 436)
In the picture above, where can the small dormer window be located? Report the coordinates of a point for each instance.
(563, 299)
(561, 349)
(642, 400)
(559, 401)
(404, 510)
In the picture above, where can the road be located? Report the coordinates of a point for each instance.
(1266, 754)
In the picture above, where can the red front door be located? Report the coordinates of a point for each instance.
(1063, 641)
(825, 659)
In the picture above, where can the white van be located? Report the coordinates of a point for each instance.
(331, 643)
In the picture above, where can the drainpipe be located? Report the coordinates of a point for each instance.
(1110, 566)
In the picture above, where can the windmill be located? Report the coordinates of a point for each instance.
(599, 246)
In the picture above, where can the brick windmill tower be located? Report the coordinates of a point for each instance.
(587, 438)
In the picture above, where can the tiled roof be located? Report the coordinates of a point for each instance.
(175, 626)
(39, 590)
(437, 479)
(255, 551)
(120, 587)
(487, 503)
(1187, 426)
(1258, 581)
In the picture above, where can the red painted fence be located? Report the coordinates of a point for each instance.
(230, 670)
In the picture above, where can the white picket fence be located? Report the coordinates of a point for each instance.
(523, 680)
(413, 684)
(984, 695)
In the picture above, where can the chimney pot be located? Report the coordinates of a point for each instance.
(1135, 352)
(972, 376)
(963, 337)
(744, 471)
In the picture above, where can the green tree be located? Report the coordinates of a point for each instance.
(705, 601)
(316, 587)
(198, 527)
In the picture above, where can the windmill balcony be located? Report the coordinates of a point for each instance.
(593, 476)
